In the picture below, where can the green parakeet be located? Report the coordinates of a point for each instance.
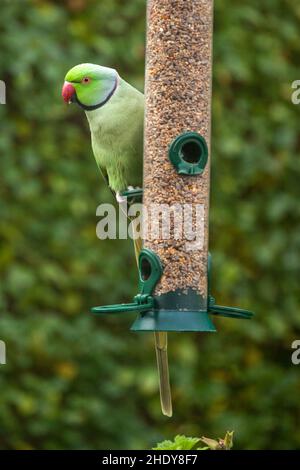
(115, 112)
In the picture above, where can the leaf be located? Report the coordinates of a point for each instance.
(180, 443)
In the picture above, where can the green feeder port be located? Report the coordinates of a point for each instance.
(174, 311)
(189, 153)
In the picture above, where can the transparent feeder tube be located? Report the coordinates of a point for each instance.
(178, 119)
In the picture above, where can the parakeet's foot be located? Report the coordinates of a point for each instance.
(134, 188)
(120, 199)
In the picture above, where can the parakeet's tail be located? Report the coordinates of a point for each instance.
(161, 348)
(138, 244)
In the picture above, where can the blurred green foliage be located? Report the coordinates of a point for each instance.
(75, 381)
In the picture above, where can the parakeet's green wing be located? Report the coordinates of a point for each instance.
(117, 137)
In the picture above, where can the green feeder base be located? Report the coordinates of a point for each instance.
(173, 320)
(175, 311)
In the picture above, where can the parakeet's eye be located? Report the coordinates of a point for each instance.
(86, 80)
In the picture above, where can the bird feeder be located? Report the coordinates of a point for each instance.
(174, 288)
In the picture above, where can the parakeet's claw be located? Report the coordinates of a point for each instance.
(120, 199)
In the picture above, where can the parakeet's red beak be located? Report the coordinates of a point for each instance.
(68, 91)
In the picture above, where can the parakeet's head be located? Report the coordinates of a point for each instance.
(89, 85)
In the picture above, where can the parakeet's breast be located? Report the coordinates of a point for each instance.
(117, 137)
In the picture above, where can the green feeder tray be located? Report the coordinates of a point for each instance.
(174, 311)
